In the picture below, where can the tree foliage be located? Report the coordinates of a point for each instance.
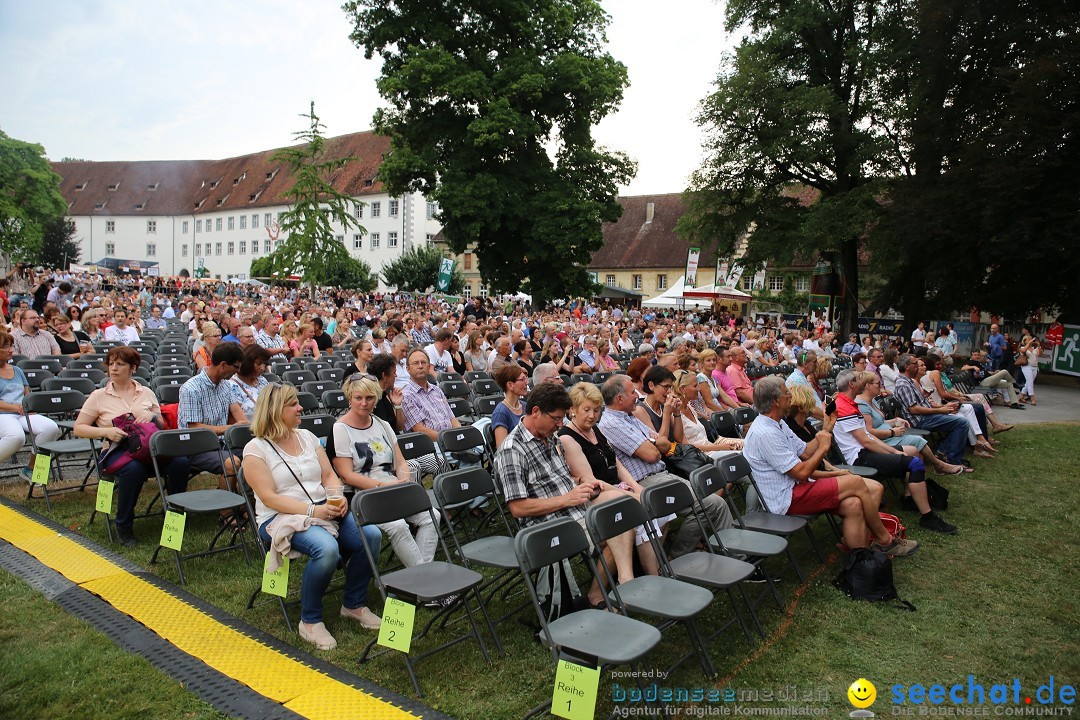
(311, 248)
(59, 248)
(490, 114)
(417, 270)
(349, 273)
(29, 197)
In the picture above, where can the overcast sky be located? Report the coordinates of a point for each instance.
(201, 79)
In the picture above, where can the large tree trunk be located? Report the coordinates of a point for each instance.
(849, 264)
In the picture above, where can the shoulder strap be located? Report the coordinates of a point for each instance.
(287, 467)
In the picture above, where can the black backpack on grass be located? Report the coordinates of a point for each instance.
(868, 575)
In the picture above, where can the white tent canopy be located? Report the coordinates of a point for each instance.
(718, 292)
(670, 297)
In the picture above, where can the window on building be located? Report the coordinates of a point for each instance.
(391, 239)
(110, 226)
(183, 251)
(232, 222)
(151, 249)
(374, 239)
(243, 222)
(611, 281)
(254, 221)
(661, 281)
(217, 224)
(232, 247)
(431, 211)
(392, 210)
(184, 228)
(198, 226)
(266, 246)
(802, 283)
(637, 282)
(151, 226)
(278, 243)
(484, 290)
(254, 247)
(357, 241)
(776, 283)
(376, 209)
(217, 248)
(358, 211)
(198, 249)
(430, 237)
(266, 219)
(243, 247)
(110, 249)
(747, 282)
(467, 291)
(468, 261)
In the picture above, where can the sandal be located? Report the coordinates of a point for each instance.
(1004, 428)
(960, 470)
(983, 454)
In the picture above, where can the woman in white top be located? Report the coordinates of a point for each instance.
(366, 455)
(1031, 349)
(888, 370)
(475, 357)
(693, 431)
(289, 473)
(246, 385)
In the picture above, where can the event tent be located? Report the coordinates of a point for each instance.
(670, 297)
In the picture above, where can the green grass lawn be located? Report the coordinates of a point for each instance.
(997, 601)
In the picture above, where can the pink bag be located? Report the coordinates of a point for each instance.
(136, 446)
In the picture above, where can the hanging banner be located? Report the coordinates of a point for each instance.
(880, 326)
(759, 279)
(721, 272)
(1067, 355)
(446, 272)
(692, 257)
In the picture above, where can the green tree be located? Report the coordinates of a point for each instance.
(795, 154)
(310, 247)
(349, 272)
(59, 248)
(417, 270)
(29, 197)
(490, 114)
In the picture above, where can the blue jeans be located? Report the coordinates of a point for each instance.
(130, 479)
(955, 429)
(324, 551)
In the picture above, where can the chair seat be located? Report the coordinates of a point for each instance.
(612, 639)
(496, 551)
(664, 597)
(61, 447)
(432, 581)
(705, 568)
(749, 542)
(773, 523)
(202, 501)
(860, 470)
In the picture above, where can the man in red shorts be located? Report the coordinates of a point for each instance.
(786, 471)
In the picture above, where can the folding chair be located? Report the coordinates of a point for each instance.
(168, 394)
(332, 375)
(318, 387)
(433, 581)
(308, 402)
(461, 408)
(743, 417)
(724, 424)
(51, 364)
(576, 378)
(35, 378)
(485, 406)
(63, 404)
(282, 367)
(176, 380)
(707, 568)
(249, 503)
(671, 600)
(448, 377)
(485, 386)
(461, 444)
(298, 377)
(420, 452)
(94, 376)
(587, 637)
(188, 442)
(83, 385)
(335, 402)
(455, 389)
(321, 426)
(472, 376)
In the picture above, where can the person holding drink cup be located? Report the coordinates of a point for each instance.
(367, 456)
(294, 484)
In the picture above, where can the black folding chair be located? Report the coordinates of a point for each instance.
(57, 406)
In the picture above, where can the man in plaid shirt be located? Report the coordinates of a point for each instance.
(918, 411)
(204, 403)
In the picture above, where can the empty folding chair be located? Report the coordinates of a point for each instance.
(485, 406)
(455, 389)
(94, 376)
(83, 385)
(485, 386)
(461, 408)
(298, 377)
(34, 378)
(167, 394)
(575, 378)
(318, 387)
(282, 367)
(463, 445)
(51, 364)
(449, 376)
(598, 378)
(321, 426)
(335, 402)
(64, 360)
(333, 375)
(57, 406)
(177, 380)
(308, 402)
(472, 376)
(424, 583)
(420, 452)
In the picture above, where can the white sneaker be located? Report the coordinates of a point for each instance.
(365, 617)
(317, 635)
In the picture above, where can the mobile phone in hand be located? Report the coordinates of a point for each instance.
(830, 407)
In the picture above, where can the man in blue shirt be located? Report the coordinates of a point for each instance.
(995, 345)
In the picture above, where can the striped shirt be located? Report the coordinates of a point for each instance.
(527, 467)
(40, 343)
(909, 394)
(270, 342)
(772, 449)
(626, 434)
(426, 406)
(201, 401)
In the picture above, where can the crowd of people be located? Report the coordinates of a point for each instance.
(594, 402)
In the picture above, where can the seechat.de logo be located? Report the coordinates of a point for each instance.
(862, 694)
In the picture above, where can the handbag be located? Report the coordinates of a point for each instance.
(136, 446)
(685, 460)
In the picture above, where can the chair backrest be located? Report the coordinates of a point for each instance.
(745, 416)
(606, 520)
(334, 400)
(460, 407)
(484, 386)
(473, 375)
(92, 357)
(664, 498)
(57, 401)
(322, 426)
(169, 380)
(34, 378)
(415, 444)
(170, 370)
(308, 402)
(64, 360)
(168, 394)
(455, 388)
(237, 437)
(734, 468)
(724, 424)
(298, 377)
(283, 367)
(83, 385)
(94, 376)
(449, 377)
(461, 438)
(51, 365)
(318, 387)
(186, 442)
(599, 377)
(333, 375)
(485, 406)
(390, 502)
(316, 365)
(706, 480)
(460, 486)
(548, 543)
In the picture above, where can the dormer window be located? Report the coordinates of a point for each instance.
(254, 196)
(114, 187)
(221, 201)
(80, 187)
(153, 187)
(238, 180)
(140, 206)
(99, 206)
(199, 203)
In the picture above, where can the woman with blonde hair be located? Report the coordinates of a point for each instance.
(304, 345)
(290, 474)
(693, 430)
(475, 357)
(91, 321)
(211, 338)
(367, 456)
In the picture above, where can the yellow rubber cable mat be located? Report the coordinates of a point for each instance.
(302, 689)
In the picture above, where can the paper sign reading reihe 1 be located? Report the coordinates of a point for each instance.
(575, 691)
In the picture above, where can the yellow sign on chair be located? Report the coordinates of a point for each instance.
(40, 475)
(575, 691)
(396, 630)
(172, 533)
(277, 582)
(103, 504)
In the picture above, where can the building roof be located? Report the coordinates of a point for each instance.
(635, 242)
(191, 187)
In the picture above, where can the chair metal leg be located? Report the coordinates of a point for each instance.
(739, 615)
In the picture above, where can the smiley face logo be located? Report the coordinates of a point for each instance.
(862, 693)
